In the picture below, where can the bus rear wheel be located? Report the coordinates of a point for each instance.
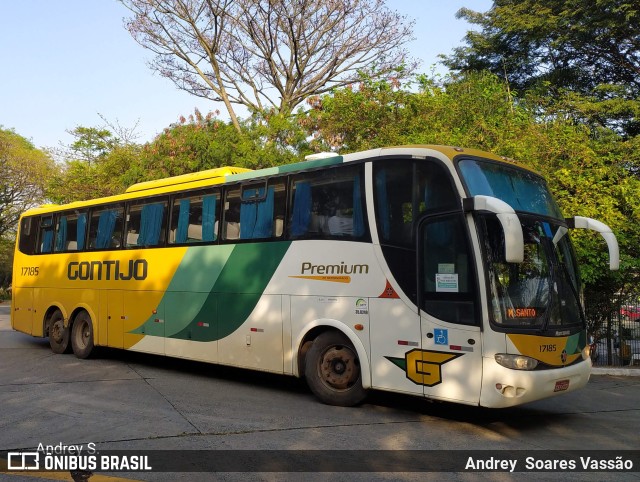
(332, 370)
(82, 335)
(58, 333)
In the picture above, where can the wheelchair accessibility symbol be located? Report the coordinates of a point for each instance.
(441, 336)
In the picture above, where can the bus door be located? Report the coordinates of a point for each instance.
(449, 365)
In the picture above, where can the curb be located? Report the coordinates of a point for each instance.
(629, 372)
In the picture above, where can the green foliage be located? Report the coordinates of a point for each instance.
(78, 180)
(106, 166)
(187, 147)
(191, 146)
(276, 139)
(91, 143)
(6, 265)
(25, 170)
(205, 142)
(472, 111)
(591, 48)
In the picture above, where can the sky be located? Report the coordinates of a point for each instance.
(66, 63)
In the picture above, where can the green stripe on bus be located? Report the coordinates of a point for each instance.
(286, 169)
(576, 342)
(236, 276)
(191, 275)
(311, 164)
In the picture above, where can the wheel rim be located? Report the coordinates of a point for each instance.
(338, 368)
(57, 331)
(83, 334)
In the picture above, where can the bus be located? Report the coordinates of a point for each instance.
(441, 272)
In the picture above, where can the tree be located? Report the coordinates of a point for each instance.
(591, 48)
(201, 142)
(78, 180)
(191, 145)
(474, 110)
(6, 264)
(91, 143)
(94, 165)
(25, 170)
(267, 54)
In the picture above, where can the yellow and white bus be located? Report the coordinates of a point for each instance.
(441, 272)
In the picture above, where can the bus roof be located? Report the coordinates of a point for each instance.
(216, 175)
(227, 174)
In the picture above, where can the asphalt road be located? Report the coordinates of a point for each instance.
(121, 400)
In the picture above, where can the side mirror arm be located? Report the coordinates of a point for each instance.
(513, 236)
(579, 222)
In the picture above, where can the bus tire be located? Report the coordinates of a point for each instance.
(332, 370)
(82, 335)
(58, 333)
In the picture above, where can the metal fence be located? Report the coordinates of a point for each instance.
(617, 341)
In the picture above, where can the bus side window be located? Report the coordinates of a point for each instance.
(435, 188)
(231, 229)
(394, 193)
(327, 205)
(146, 223)
(195, 219)
(46, 235)
(71, 230)
(28, 235)
(105, 228)
(404, 190)
(255, 211)
(279, 206)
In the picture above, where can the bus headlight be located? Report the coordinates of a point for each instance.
(586, 352)
(516, 362)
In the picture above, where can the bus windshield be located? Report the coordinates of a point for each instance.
(522, 190)
(543, 291)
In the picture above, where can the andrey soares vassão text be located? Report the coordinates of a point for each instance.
(582, 463)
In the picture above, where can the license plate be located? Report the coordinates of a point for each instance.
(561, 385)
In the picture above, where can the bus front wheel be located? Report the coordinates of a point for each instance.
(82, 335)
(58, 333)
(332, 370)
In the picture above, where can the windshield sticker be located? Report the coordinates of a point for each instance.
(447, 283)
(446, 268)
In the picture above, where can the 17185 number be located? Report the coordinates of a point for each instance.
(30, 271)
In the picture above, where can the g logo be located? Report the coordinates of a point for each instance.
(424, 367)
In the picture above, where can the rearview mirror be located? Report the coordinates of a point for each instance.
(513, 237)
(579, 222)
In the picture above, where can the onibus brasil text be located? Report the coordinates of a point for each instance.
(61, 457)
